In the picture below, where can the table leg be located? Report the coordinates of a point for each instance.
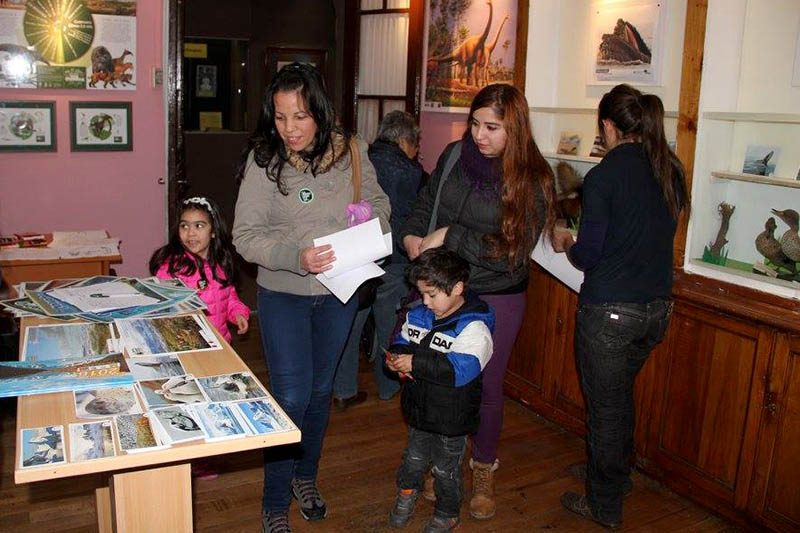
(153, 500)
(104, 516)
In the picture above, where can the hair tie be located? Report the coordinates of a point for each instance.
(199, 200)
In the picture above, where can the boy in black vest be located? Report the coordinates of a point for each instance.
(439, 353)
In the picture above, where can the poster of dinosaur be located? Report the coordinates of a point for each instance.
(68, 44)
(626, 42)
(469, 44)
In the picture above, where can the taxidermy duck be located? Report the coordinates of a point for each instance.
(768, 246)
(790, 241)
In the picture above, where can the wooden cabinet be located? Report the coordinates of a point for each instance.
(718, 402)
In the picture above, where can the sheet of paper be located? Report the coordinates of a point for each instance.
(345, 285)
(355, 247)
(557, 264)
(103, 297)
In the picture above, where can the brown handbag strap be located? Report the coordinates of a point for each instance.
(355, 161)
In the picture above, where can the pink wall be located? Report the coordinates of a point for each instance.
(115, 191)
(438, 130)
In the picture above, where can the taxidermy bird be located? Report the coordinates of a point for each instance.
(790, 241)
(768, 246)
(568, 190)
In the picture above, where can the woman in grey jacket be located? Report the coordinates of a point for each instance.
(296, 186)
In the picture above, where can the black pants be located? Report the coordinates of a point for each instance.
(612, 342)
(443, 456)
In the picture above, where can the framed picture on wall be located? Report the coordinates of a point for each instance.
(27, 126)
(100, 126)
(277, 58)
(206, 81)
(626, 42)
(468, 46)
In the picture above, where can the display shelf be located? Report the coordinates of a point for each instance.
(581, 111)
(737, 116)
(752, 178)
(760, 282)
(566, 157)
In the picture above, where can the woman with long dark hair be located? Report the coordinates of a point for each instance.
(631, 203)
(297, 186)
(495, 200)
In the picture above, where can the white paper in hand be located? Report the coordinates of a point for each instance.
(557, 264)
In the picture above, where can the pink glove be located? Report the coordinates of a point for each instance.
(358, 213)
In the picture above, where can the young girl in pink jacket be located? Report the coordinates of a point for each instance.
(199, 254)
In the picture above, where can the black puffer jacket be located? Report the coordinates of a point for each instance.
(471, 214)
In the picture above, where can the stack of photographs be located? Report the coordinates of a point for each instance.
(103, 298)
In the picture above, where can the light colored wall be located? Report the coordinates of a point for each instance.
(116, 191)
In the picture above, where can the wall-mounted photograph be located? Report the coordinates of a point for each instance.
(27, 126)
(469, 45)
(626, 42)
(100, 126)
(206, 83)
(277, 58)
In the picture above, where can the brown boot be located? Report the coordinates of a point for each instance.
(482, 505)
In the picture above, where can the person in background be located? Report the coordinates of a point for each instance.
(631, 203)
(494, 203)
(440, 352)
(200, 254)
(393, 154)
(297, 186)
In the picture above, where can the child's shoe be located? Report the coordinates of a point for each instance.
(482, 506)
(440, 524)
(312, 506)
(403, 507)
(428, 493)
(275, 522)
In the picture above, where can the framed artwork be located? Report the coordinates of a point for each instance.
(467, 46)
(100, 126)
(277, 58)
(626, 42)
(27, 126)
(206, 81)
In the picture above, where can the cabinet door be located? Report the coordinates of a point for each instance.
(776, 493)
(568, 399)
(703, 405)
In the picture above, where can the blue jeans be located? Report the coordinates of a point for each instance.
(612, 342)
(393, 287)
(303, 338)
(442, 455)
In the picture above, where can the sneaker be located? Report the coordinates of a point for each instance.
(578, 504)
(578, 471)
(275, 522)
(312, 506)
(429, 493)
(439, 524)
(403, 507)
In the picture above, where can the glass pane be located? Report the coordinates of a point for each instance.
(383, 54)
(366, 5)
(393, 105)
(367, 119)
(398, 4)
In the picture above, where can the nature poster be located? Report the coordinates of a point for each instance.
(177, 334)
(179, 423)
(220, 420)
(62, 341)
(469, 44)
(229, 387)
(103, 403)
(42, 446)
(135, 433)
(263, 417)
(155, 367)
(68, 44)
(91, 440)
(172, 391)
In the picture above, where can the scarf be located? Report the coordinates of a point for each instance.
(483, 174)
(336, 147)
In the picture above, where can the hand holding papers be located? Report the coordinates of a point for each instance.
(557, 264)
(356, 248)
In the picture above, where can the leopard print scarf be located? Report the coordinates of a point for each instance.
(336, 147)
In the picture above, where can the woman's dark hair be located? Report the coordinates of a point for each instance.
(268, 149)
(440, 268)
(181, 261)
(640, 116)
(524, 168)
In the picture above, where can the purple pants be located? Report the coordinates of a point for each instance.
(509, 311)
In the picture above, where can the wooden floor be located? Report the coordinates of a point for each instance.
(362, 451)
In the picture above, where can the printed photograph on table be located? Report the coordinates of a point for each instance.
(22, 378)
(42, 446)
(104, 403)
(178, 424)
(135, 433)
(164, 335)
(27, 126)
(156, 367)
(96, 52)
(91, 440)
(220, 420)
(263, 417)
(62, 341)
(100, 126)
(466, 46)
(626, 42)
(760, 160)
(229, 387)
(172, 391)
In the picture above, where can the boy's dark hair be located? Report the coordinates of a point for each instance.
(440, 268)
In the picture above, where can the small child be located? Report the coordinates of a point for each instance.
(199, 254)
(441, 350)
